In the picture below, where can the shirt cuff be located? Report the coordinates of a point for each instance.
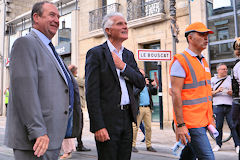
(124, 68)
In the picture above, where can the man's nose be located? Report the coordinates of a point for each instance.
(56, 19)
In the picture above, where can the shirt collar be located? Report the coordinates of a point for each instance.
(113, 49)
(192, 53)
(43, 38)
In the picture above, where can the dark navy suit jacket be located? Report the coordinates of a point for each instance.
(103, 91)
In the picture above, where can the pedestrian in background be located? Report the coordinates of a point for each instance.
(43, 96)
(236, 89)
(191, 94)
(6, 94)
(222, 104)
(68, 144)
(81, 82)
(144, 99)
(111, 71)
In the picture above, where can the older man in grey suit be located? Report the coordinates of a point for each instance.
(44, 97)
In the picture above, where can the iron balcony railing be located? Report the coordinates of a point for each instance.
(143, 8)
(96, 16)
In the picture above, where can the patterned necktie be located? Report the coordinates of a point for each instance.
(70, 84)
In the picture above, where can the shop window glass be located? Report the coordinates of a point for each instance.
(221, 51)
(151, 69)
(222, 27)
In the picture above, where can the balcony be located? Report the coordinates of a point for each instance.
(96, 16)
(138, 9)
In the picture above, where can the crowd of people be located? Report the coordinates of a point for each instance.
(44, 108)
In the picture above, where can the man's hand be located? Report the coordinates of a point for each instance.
(118, 62)
(41, 145)
(229, 92)
(147, 81)
(182, 134)
(154, 83)
(102, 135)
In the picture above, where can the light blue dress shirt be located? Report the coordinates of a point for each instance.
(144, 99)
(125, 97)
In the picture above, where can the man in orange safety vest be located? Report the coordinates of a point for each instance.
(191, 94)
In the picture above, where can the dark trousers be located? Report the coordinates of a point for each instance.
(222, 111)
(119, 146)
(79, 138)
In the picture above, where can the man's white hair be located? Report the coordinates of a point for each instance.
(107, 22)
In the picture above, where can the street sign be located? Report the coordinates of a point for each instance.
(154, 55)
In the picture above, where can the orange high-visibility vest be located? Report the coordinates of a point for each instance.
(196, 92)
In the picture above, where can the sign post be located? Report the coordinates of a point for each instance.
(155, 55)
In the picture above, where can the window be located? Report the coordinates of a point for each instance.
(64, 32)
(152, 7)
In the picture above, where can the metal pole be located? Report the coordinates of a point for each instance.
(2, 58)
(76, 5)
(189, 11)
(235, 18)
(160, 96)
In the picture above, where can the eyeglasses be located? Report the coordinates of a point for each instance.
(224, 69)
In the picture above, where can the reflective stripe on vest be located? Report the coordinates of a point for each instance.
(195, 84)
(197, 101)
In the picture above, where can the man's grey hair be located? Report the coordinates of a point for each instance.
(220, 64)
(38, 8)
(107, 22)
(191, 33)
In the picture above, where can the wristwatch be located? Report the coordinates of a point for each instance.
(180, 125)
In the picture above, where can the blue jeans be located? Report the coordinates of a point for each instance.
(199, 147)
(222, 111)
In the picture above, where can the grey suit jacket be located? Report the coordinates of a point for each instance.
(39, 98)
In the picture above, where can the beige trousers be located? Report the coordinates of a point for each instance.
(145, 114)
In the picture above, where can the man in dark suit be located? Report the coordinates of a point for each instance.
(40, 102)
(111, 71)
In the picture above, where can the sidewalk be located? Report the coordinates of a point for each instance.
(162, 141)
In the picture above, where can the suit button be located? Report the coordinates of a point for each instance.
(66, 90)
(65, 112)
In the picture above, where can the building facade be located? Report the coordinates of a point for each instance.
(149, 28)
(223, 19)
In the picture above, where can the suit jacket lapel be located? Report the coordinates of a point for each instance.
(48, 53)
(109, 59)
(124, 56)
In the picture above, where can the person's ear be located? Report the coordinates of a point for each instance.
(108, 31)
(36, 18)
(237, 53)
